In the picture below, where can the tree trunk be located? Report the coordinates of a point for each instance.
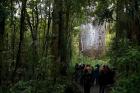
(22, 30)
(55, 38)
(47, 41)
(34, 32)
(2, 30)
(13, 31)
(65, 42)
(61, 36)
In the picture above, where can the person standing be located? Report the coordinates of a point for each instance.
(103, 78)
(96, 74)
(87, 78)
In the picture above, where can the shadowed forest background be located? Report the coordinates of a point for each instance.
(41, 41)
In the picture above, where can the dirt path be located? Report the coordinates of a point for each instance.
(94, 89)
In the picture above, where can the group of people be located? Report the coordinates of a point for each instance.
(88, 76)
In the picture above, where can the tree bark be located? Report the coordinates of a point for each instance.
(34, 33)
(47, 41)
(22, 30)
(2, 30)
(61, 36)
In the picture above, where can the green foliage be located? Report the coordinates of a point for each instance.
(125, 57)
(103, 10)
(128, 85)
(43, 86)
(21, 86)
(3, 11)
(42, 75)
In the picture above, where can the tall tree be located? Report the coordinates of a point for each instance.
(3, 10)
(33, 22)
(60, 33)
(47, 41)
(55, 34)
(22, 30)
